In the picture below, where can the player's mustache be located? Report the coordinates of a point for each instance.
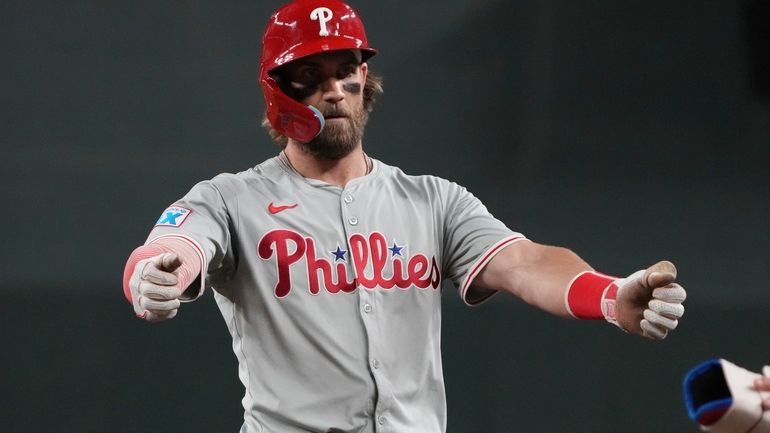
(332, 111)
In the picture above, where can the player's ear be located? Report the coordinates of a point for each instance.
(364, 70)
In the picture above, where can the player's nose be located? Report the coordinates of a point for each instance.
(332, 90)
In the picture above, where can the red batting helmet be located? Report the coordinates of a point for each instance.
(299, 29)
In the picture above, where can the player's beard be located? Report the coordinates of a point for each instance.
(338, 139)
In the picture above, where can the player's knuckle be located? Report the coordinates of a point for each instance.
(655, 318)
(670, 293)
(146, 268)
(656, 305)
(653, 330)
(159, 277)
(676, 310)
(154, 305)
(163, 295)
(667, 309)
(169, 279)
(666, 322)
(168, 293)
(150, 290)
(674, 324)
(650, 315)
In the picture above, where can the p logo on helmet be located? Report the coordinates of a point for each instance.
(323, 16)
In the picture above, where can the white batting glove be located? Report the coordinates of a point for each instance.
(153, 285)
(649, 302)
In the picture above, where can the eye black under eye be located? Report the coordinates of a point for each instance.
(300, 92)
(296, 89)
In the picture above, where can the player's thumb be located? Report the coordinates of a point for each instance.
(168, 262)
(659, 274)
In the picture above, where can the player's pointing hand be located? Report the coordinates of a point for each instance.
(649, 301)
(154, 289)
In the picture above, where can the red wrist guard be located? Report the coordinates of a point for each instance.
(591, 296)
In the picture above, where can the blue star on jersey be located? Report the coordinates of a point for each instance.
(395, 250)
(339, 254)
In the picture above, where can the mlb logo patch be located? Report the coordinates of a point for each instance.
(174, 216)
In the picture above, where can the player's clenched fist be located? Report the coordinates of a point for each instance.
(649, 301)
(154, 287)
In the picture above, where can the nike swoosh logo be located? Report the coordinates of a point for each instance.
(273, 209)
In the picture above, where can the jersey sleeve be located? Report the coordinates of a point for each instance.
(200, 218)
(472, 237)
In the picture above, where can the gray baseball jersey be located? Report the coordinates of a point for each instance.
(332, 295)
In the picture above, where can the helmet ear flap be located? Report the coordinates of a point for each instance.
(289, 117)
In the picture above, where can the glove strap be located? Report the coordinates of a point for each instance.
(591, 296)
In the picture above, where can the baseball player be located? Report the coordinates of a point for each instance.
(327, 264)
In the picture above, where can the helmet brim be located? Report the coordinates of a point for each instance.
(329, 43)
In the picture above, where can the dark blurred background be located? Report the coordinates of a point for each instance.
(628, 131)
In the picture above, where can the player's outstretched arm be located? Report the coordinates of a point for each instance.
(647, 303)
(156, 277)
(536, 273)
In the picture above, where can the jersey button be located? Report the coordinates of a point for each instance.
(348, 199)
(367, 308)
(375, 364)
(381, 420)
(353, 221)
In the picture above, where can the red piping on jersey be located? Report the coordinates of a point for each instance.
(481, 263)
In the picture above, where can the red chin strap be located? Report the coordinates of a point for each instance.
(293, 119)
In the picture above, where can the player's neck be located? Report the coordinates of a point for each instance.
(337, 172)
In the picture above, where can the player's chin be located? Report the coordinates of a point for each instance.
(337, 140)
(335, 152)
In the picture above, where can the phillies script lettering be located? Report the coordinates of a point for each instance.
(287, 248)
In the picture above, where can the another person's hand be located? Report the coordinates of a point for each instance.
(725, 398)
(763, 384)
(154, 291)
(649, 302)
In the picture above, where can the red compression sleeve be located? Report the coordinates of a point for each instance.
(186, 273)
